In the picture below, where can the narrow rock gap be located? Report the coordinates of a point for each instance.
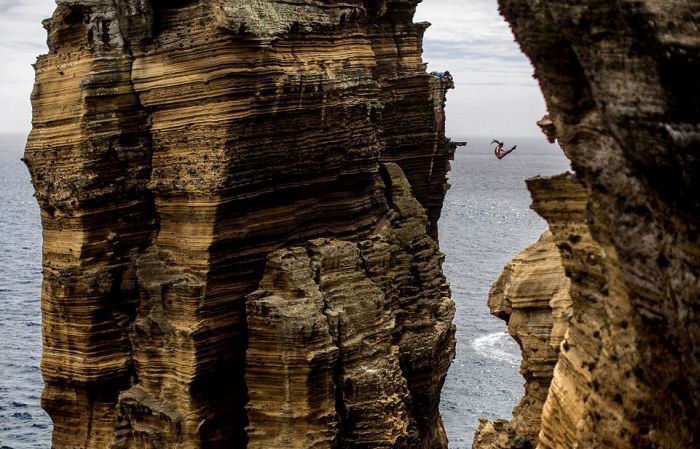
(496, 340)
(334, 332)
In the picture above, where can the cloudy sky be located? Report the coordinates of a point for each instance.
(495, 93)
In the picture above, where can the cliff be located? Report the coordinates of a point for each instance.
(563, 202)
(370, 308)
(620, 82)
(532, 296)
(187, 157)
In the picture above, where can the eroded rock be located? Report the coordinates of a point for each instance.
(620, 82)
(532, 296)
(175, 145)
(352, 323)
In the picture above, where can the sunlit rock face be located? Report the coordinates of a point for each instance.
(180, 150)
(563, 202)
(532, 296)
(370, 321)
(620, 82)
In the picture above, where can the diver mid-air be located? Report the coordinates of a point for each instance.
(499, 151)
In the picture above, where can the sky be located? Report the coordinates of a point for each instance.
(495, 94)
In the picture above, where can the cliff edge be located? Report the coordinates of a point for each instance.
(532, 294)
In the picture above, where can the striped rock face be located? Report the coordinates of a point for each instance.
(620, 82)
(532, 295)
(182, 152)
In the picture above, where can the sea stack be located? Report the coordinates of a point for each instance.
(239, 202)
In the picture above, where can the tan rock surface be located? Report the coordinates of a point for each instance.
(620, 82)
(532, 296)
(175, 145)
(374, 340)
(562, 201)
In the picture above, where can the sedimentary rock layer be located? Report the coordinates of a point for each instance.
(620, 82)
(563, 202)
(175, 145)
(344, 338)
(532, 296)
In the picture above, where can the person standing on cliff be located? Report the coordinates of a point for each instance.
(446, 79)
(499, 151)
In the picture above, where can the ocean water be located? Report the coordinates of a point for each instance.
(23, 424)
(486, 221)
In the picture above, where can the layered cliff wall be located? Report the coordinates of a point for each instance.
(178, 148)
(620, 82)
(372, 318)
(532, 295)
(563, 201)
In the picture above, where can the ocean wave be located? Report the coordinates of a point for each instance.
(497, 346)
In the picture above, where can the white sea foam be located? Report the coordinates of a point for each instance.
(497, 346)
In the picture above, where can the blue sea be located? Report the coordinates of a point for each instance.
(23, 424)
(485, 222)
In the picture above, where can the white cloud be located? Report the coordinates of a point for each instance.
(495, 93)
(464, 20)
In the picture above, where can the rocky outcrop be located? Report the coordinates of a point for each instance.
(175, 146)
(563, 202)
(344, 338)
(532, 296)
(619, 79)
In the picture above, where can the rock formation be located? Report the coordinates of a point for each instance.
(620, 82)
(563, 202)
(532, 296)
(233, 257)
(345, 318)
(182, 152)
